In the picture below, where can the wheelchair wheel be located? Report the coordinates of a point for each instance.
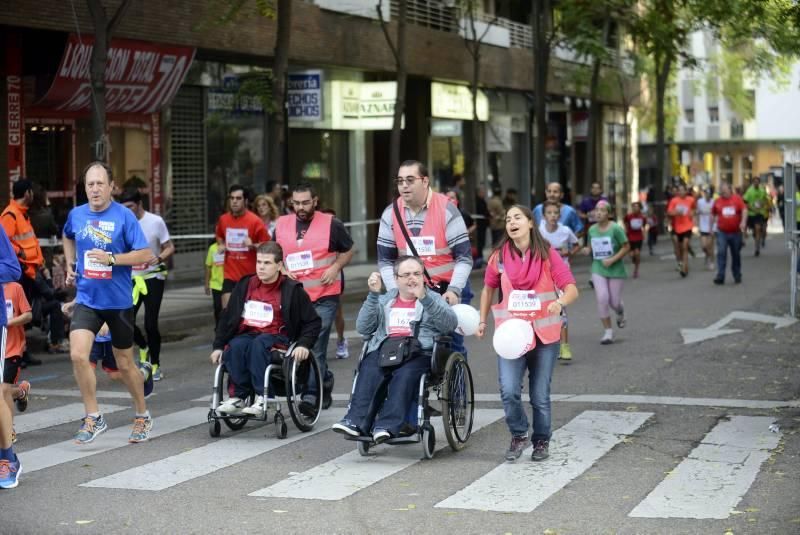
(303, 418)
(214, 427)
(281, 429)
(457, 401)
(428, 441)
(363, 448)
(235, 423)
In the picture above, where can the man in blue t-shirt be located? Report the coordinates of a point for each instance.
(10, 466)
(102, 240)
(568, 218)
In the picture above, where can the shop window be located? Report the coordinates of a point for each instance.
(747, 169)
(320, 157)
(447, 160)
(48, 156)
(713, 115)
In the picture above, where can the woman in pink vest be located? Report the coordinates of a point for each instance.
(535, 286)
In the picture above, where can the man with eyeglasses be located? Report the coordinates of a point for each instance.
(436, 230)
(239, 233)
(316, 246)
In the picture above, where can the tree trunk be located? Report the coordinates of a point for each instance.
(473, 177)
(663, 65)
(595, 120)
(541, 61)
(400, 99)
(277, 123)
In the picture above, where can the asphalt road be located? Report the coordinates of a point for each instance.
(619, 465)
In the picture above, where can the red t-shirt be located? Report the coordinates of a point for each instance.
(634, 225)
(16, 305)
(262, 308)
(682, 223)
(240, 260)
(729, 213)
(400, 318)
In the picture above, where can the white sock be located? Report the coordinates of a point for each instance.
(145, 415)
(609, 333)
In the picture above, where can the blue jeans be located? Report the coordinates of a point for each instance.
(732, 240)
(246, 360)
(458, 339)
(326, 310)
(539, 363)
(403, 387)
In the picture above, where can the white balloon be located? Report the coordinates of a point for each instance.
(468, 319)
(513, 338)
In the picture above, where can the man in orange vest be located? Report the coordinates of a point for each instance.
(316, 246)
(17, 226)
(437, 232)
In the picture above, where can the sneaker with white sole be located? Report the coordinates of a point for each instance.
(342, 350)
(257, 408)
(141, 429)
(607, 338)
(90, 428)
(231, 406)
(380, 436)
(22, 401)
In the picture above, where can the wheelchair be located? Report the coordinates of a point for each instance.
(450, 379)
(284, 377)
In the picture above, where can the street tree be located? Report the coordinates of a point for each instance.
(104, 29)
(398, 47)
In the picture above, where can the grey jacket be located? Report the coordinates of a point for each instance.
(436, 315)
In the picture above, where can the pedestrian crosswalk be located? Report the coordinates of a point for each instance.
(707, 484)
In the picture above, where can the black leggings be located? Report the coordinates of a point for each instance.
(152, 306)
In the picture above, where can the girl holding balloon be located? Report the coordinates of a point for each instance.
(535, 286)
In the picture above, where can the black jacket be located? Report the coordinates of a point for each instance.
(301, 320)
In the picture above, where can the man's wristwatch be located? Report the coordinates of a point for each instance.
(111, 259)
(560, 303)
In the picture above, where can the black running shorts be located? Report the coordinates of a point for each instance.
(120, 323)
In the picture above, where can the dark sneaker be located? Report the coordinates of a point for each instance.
(380, 436)
(719, 282)
(518, 445)
(9, 473)
(90, 428)
(737, 280)
(407, 430)
(141, 429)
(346, 427)
(22, 400)
(308, 406)
(146, 370)
(541, 450)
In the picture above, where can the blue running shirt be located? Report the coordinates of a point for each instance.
(117, 230)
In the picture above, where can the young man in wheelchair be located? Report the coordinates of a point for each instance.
(408, 316)
(265, 310)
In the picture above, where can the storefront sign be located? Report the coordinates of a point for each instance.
(304, 95)
(445, 128)
(498, 134)
(580, 125)
(363, 105)
(226, 101)
(140, 77)
(155, 162)
(14, 120)
(450, 101)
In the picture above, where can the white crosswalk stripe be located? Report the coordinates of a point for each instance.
(56, 416)
(207, 459)
(717, 473)
(66, 451)
(523, 486)
(350, 473)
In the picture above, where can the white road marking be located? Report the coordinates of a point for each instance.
(73, 412)
(715, 476)
(341, 477)
(171, 471)
(714, 330)
(77, 393)
(66, 451)
(522, 486)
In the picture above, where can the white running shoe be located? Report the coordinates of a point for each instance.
(607, 338)
(342, 351)
(257, 408)
(231, 406)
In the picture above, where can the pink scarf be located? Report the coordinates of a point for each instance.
(523, 272)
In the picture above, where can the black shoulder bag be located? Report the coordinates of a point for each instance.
(395, 351)
(439, 288)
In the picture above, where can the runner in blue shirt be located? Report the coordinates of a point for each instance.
(10, 466)
(102, 240)
(568, 218)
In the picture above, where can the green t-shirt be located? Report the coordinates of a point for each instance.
(606, 243)
(757, 201)
(215, 281)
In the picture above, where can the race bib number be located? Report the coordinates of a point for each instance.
(683, 209)
(523, 301)
(425, 245)
(756, 204)
(300, 261)
(257, 314)
(400, 321)
(235, 238)
(729, 211)
(602, 248)
(9, 309)
(636, 224)
(219, 259)
(95, 270)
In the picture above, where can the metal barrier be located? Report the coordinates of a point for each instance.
(791, 232)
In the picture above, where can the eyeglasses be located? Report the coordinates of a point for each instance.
(415, 274)
(408, 181)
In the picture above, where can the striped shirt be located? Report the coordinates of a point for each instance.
(457, 240)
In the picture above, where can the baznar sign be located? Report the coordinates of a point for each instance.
(140, 77)
(363, 105)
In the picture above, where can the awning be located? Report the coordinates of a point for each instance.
(141, 77)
